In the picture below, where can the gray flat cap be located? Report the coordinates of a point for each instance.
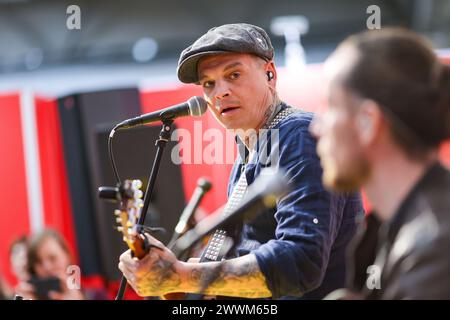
(238, 37)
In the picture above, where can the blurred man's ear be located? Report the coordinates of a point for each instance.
(368, 121)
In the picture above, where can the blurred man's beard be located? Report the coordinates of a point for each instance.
(346, 179)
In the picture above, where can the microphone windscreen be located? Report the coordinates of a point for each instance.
(205, 184)
(197, 106)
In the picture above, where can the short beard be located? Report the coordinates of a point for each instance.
(350, 180)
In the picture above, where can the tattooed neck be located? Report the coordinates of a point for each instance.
(270, 111)
(250, 138)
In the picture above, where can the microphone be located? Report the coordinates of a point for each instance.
(203, 186)
(262, 194)
(195, 106)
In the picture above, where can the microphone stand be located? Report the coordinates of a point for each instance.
(164, 137)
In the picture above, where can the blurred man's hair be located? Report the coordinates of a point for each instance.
(399, 70)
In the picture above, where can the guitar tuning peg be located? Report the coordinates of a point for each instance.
(117, 212)
(120, 229)
(137, 184)
(138, 194)
(119, 220)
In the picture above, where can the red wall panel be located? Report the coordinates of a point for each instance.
(55, 188)
(14, 220)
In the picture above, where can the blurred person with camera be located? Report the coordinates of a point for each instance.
(49, 258)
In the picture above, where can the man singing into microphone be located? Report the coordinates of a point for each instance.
(298, 249)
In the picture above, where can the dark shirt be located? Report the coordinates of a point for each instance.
(408, 256)
(300, 246)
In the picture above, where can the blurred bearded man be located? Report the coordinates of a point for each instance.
(389, 111)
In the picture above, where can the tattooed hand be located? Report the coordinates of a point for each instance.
(156, 274)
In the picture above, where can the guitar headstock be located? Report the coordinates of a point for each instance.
(128, 214)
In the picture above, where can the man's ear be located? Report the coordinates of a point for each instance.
(368, 121)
